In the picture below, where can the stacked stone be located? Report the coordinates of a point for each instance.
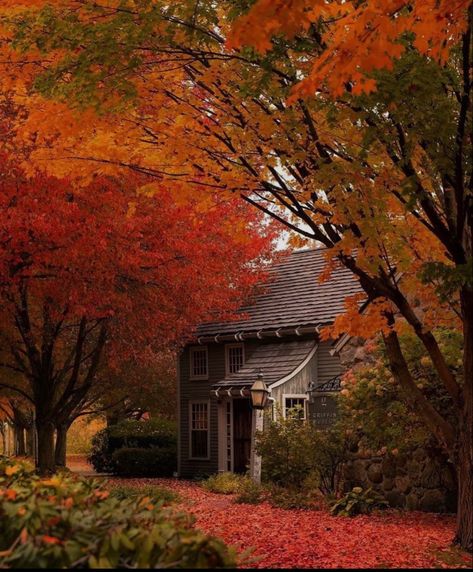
(419, 481)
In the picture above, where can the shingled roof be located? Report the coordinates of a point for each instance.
(293, 297)
(274, 361)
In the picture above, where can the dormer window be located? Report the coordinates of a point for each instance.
(199, 368)
(235, 357)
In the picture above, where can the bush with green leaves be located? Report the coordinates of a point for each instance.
(372, 404)
(293, 451)
(158, 435)
(292, 498)
(67, 522)
(153, 462)
(359, 501)
(224, 483)
(249, 492)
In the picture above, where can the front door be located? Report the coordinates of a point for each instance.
(242, 415)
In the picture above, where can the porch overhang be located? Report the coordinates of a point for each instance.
(278, 362)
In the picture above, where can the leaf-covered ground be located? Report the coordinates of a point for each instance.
(312, 539)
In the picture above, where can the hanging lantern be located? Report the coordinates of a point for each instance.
(259, 393)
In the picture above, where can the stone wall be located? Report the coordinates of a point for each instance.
(422, 480)
(417, 481)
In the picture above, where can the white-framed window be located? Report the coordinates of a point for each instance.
(234, 357)
(199, 434)
(199, 362)
(295, 406)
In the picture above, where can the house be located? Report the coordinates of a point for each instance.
(277, 336)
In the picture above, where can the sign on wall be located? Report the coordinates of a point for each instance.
(323, 410)
(323, 404)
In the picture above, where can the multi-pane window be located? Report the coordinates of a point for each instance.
(199, 430)
(235, 357)
(294, 406)
(199, 363)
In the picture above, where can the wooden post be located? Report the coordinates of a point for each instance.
(255, 459)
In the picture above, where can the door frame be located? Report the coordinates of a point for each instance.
(250, 433)
(225, 436)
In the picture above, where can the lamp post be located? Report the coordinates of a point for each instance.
(259, 399)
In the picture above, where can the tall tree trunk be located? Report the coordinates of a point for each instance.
(61, 445)
(4, 442)
(45, 461)
(464, 533)
(30, 441)
(19, 436)
(464, 460)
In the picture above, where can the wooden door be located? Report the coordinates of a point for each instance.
(241, 435)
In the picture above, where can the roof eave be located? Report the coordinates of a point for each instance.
(261, 334)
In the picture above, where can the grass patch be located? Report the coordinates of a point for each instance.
(154, 492)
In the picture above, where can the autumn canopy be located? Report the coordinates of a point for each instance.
(154, 141)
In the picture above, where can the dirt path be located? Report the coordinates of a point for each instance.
(79, 465)
(315, 539)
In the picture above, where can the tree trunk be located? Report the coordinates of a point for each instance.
(19, 436)
(4, 442)
(61, 446)
(45, 461)
(30, 441)
(464, 533)
(464, 456)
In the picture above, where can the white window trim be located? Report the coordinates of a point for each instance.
(192, 350)
(191, 403)
(227, 361)
(294, 396)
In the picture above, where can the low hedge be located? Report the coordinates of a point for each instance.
(136, 462)
(67, 522)
(156, 434)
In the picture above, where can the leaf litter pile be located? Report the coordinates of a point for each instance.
(271, 537)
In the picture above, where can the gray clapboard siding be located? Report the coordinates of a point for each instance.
(200, 390)
(321, 367)
(328, 366)
(298, 384)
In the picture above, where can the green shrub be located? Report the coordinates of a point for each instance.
(156, 434)
(143, 434)
(292, 498)
(101, 452)
(153, 462)
(161, 494)
(358, 501)
(372, 403)
(293, 451)
(224, 483)
(66, 522)
(249, 492)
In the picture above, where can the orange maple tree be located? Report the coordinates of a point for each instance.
(356, 37)
(381, 177)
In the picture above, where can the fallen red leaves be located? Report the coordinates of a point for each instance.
(312, 539)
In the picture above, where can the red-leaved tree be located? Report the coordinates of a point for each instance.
(109, 273)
